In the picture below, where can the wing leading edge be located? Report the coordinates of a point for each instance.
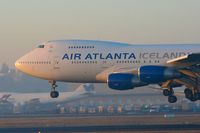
(185, 61)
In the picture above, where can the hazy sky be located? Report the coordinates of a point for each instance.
(24, 23)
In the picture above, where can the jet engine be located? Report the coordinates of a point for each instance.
(124, 81)
(146, 75)
(157, 74)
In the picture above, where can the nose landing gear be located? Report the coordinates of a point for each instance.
(54, 93)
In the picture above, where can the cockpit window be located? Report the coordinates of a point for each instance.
(40, 46)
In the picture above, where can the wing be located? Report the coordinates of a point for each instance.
(185, 61)
(189, 66)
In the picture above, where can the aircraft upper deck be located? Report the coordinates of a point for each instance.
(114, 44)
(87, 42)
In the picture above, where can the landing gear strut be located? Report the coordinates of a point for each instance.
(188, 93)
(170, 93)
(54, 93)
(191, 96)
(167, 92)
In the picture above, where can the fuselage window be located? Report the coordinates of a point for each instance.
(81, 47)
(41, 46)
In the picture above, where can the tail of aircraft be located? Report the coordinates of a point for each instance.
(5, 97)
(86, 89)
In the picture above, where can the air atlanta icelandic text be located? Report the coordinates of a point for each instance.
(122, 56)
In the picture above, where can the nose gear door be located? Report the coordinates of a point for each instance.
(55, 60)
(56, 63)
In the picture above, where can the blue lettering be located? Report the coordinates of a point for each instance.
(132, 56)
(109, 56)
(101, 56)
(95, 55)
(71, 56)
(77, 56)
(65, 57)
(89, 56)
(117, 56)
(125, 55)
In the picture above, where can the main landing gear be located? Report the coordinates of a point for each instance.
(192, 96)
(170, 93)
(54, 93)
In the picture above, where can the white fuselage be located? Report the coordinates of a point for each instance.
(81, 61)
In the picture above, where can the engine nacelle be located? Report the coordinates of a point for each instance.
(123, 81)
(157, 74)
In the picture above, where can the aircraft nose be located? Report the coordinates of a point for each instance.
(18, 64)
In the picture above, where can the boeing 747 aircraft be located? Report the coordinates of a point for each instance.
(122, 66)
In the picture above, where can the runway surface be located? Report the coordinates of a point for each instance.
(111, 128)
(183, 123)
